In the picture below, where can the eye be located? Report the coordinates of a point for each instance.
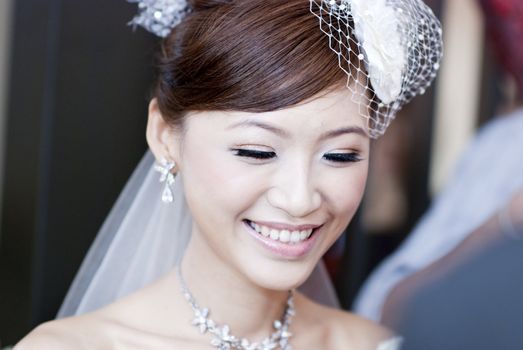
(342, 157)
(255, 154)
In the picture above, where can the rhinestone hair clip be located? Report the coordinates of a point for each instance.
(159, 16)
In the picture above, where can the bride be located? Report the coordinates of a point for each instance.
(260, 122)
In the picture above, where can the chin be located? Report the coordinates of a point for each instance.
(279, 275)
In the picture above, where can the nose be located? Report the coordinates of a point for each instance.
(294, 191)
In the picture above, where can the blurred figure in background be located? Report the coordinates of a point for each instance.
(486, 178)
(471, 299)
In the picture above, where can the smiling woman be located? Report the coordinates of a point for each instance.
(269, 140)
(284, 173)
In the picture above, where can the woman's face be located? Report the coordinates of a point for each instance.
(271, 192)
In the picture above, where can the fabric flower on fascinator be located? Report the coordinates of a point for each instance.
(376, 28)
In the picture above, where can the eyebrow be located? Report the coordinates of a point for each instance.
(249, 123)
(343, 131)
(280, 132)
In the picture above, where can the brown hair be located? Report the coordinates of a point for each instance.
(247, 55)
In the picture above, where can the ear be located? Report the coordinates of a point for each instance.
(161, 137)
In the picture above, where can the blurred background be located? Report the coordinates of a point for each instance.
(74, 88)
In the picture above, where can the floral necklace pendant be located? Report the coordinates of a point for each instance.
(223, 340)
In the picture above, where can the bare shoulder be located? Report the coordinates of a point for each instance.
(141, 320)
(365, 334)
(70, 333)
(344, 330)
(101, 330)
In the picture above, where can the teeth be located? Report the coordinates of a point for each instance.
(304, 235)
(284, 236)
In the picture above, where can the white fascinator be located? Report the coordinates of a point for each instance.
(390, 50)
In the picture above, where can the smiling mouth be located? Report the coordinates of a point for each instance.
(284, 236)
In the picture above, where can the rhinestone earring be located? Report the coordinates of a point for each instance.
(165, 168)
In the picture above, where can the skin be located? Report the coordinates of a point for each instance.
(244, 284)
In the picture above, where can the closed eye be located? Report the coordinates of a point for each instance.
(255, 154)
(342, 157)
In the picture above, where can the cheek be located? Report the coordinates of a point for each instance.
(346, 191)
(218, 183)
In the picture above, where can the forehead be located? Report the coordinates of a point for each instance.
(334, 109)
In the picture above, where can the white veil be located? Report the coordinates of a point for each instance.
(141, 240)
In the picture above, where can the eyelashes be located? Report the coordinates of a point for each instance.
(342, 157)
(254, 154)
(266, 155)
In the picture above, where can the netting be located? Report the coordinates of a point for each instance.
(389, 49)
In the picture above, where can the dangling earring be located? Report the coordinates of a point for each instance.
(164, 168)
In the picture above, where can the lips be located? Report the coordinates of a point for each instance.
(288, 241)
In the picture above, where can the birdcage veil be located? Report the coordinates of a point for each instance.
(389, 49)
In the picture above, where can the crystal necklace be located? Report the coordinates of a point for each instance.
(222, 340)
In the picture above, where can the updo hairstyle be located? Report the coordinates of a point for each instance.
(244, 55)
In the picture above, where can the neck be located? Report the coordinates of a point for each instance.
(231, 297)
